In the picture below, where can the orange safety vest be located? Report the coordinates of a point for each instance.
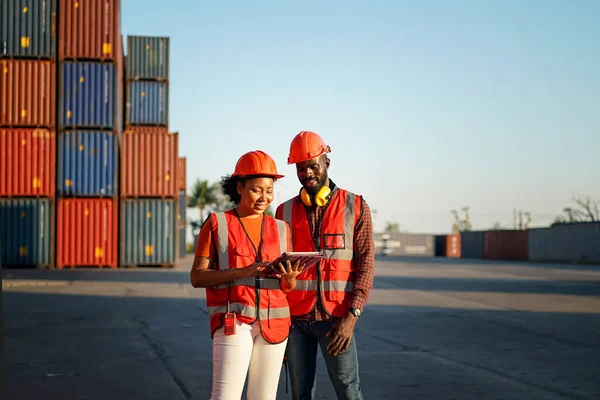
(332, 279)
(252, 298)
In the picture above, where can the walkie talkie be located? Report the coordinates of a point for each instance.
(229, 317)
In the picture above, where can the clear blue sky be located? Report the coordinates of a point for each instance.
(427, 106)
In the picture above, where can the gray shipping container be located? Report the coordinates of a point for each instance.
(181, 206)
(148, 232)
(181, 244)
(147, 57)
(404, 244)
(472, 244)
(566, 243)
(25, 230)
(27, 28)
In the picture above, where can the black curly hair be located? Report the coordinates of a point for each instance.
(229, 185)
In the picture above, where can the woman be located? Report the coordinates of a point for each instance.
(249, 314)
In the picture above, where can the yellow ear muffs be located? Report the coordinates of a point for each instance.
(321, 198)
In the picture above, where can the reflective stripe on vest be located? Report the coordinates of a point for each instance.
(266, 283)
(223, 239)
(338, 286)
(282, 236)
(249, 311)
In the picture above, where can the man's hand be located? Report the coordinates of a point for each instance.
(341, 334)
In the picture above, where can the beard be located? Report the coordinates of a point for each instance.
(314, 189)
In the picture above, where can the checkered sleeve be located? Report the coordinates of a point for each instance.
(364, 257)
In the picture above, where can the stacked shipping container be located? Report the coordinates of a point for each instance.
(27, 132)
(90, 77)
(149, 183)
(181, 206)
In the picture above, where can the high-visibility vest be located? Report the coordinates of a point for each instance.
(253, 298)
(333, 277)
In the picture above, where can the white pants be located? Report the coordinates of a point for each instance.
(246, 352)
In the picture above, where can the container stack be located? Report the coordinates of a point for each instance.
(90, 54)
(181, 206)
(149, 185)
(27, 132)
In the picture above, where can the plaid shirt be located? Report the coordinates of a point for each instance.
(363, 255)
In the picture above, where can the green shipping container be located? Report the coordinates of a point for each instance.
(25, 226)
(148, 232)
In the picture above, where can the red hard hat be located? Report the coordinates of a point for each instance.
(305, 146)
(256, 162)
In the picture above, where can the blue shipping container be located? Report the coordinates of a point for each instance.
(25, 232)
(148, 227)
(471, 244)
(181, 206)
(87, 95)
(147, 103)
(27, 28)
(147, 57)
(87, 164)
(181, 245)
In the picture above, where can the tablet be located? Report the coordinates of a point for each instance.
(309, 258)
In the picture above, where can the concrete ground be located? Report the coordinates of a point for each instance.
(433, 329)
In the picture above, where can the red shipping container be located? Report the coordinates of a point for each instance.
(453, 245)
(149, 162)
(86, 233)
(28, 93)
(181, 173)
(88, 30)
(506, 245)
(27, 162)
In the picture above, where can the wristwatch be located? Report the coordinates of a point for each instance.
(355, 312)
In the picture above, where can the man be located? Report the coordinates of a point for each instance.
(329, 297)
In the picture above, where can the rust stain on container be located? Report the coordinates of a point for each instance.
(27, 93)
(88, 30)
(86, 233)
(506, 245)
(149, 162)
(181, 173)
(27, 162)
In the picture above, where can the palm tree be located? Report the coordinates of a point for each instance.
(203, 195)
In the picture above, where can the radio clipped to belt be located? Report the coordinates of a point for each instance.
(230, 319)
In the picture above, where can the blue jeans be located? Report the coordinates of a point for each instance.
(301, 353)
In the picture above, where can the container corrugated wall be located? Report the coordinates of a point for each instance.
(181, 173)
(87, 164)
(471, 245)
(27, 93)
(566, 243)
(181, 244)
(453, 245)
(87, 95)
(506, 245)
(27, 162)
(181, 206)
(148, 162)
(147, 57)
(25, 226)
(88, 29)
(147, 103)
(405, 244)
(27, 28)
(86, 233)
(148, 232)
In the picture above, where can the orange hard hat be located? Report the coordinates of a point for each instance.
(256, 162)
(307, 145)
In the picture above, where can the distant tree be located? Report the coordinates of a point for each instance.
(203, 194)
(584, 209)
(496, 226)
(392, 227)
